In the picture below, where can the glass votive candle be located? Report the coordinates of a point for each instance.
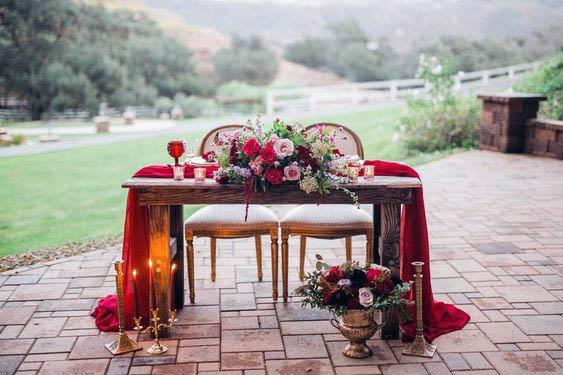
(369, 172)
(355, 171)
(199, 174)
(178, 172)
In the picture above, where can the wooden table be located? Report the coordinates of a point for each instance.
(165, 198)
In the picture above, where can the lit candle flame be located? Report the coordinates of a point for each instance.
(173, 266)
(150, 263)
(134, 273)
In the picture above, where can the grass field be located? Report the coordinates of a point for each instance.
(73, 195)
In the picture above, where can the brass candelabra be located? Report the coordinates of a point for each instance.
(154, 328)
(123, 344)
(419, 347)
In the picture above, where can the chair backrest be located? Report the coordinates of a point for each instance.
(352, 145)
(207, 140)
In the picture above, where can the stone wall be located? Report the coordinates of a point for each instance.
(544, 138)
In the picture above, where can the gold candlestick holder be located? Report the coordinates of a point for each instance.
(123, 344)
(154, 328)
(419, 347)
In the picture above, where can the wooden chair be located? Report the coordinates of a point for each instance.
(326, 221)
(227, 222)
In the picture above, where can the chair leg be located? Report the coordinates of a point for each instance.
(191, 269)
(213, 250)
(285, 264)
(258, 241)
(369, 246)
(302, 251)
(348, 249)
(274, 251)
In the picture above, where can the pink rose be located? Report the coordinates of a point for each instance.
(292, 173)
(365, 296)
(273, 139)
(256, 165)
(284, 147)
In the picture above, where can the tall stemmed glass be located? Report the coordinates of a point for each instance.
(176, 149)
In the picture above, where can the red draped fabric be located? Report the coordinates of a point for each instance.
(439, 318)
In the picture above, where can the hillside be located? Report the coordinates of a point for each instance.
(205, 42)
(401, 21)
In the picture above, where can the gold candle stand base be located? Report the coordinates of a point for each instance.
(123, 345)
(420, 348)
(157, 348)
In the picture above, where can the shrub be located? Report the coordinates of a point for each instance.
(163, 104)
(548, 81)
(439, 120)
(248, 60)
(194, 106)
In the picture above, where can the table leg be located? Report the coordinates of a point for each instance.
(285, 265)
(177, 230)
(390, 241)
(159, 250)
(274, 250)
(376, 233)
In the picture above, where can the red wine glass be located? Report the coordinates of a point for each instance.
(176, 149)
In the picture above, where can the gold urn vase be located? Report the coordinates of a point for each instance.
(358, 326)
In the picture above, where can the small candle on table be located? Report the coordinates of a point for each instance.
(369, 171)
(199, 174)
(135, 297)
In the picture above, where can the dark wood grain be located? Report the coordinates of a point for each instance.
(376, 233)
(177, 231)
(159, 249)
(168, 192)
(390, 258)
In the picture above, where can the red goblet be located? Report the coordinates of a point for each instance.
(176, 149)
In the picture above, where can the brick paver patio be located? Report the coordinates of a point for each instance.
(496, 227)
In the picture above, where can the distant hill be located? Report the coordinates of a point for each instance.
(402, 21)
(206, 41)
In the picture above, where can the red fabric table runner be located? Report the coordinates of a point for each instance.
(439, 317)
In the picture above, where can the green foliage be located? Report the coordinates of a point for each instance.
(240, 89)
(164, 105)
(547, 80)
(247, 60)
(440, 120)
(346, 52)
(60, 54)
(195, 106)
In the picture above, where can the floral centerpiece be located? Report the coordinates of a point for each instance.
(261, 158)
(354, 292)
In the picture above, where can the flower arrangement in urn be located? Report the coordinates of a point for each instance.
(261, 158)
(354, 292)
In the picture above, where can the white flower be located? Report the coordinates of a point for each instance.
(319, 149)
(344, 282)
(284, 147)
(309, 184)
(365, 296)
(437, 69)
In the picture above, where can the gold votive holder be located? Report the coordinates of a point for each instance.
(178, 172)
(199, 175)
(354, 172)
(369, 172)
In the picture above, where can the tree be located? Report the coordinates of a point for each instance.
(61, 54)
(311, 52)
(247, 60)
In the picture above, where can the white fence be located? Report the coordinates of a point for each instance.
(356, 94)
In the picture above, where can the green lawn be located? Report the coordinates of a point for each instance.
(73, 195)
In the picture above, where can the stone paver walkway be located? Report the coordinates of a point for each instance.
(496, 226)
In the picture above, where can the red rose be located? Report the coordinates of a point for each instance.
(333, 274)
(269, 154)
(337, 152)
(353, 303)
(251, 147)
(327, 297)
(384, 288)
(373, 274)
(274, 176)
(303, 152)
(233, 153)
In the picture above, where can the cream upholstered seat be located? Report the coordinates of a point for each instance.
(228, 221)
(222, 216)
(328, 221)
